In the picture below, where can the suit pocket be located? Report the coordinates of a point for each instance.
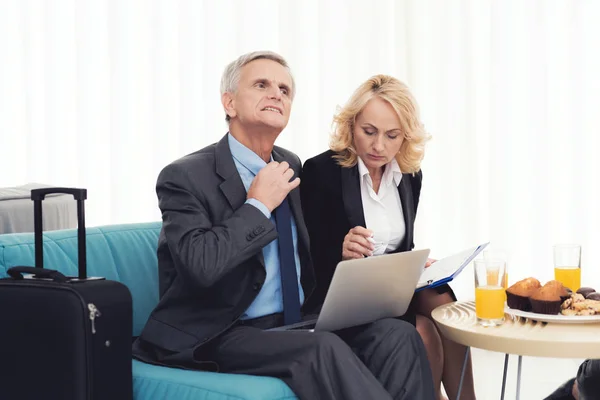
(167, 336)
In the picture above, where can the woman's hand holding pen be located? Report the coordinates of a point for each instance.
(358, 243)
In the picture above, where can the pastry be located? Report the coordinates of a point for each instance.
(560, 289)
(585, 291)
(517, 296)
(546, 300)
(593, 296)
(578, 305)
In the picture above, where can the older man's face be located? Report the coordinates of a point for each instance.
(264, 95)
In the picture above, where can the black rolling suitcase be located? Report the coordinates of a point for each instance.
(63, 338)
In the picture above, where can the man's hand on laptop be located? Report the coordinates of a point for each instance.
(358, 243)
(429, 262)
(272, 184)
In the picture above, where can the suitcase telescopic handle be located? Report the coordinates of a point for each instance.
(40, 194)
(80, 195)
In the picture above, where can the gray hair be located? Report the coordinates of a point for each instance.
(231, 75)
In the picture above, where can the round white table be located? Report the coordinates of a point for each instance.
(520, 336)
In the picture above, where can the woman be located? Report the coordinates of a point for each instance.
(360, 199)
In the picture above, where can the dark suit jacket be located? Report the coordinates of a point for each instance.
(332, 205)
(210, 251)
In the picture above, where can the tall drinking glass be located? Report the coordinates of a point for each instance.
(567, 265)
(498, 256)
(489, 292)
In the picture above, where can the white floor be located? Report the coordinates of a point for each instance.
(539, 376)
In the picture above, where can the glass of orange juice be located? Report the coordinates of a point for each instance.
(567, 265)
(490, 294)
(498, 256)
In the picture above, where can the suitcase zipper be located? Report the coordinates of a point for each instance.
(88, 339)
(94, 312)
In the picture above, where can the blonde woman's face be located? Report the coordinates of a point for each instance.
(377, 133)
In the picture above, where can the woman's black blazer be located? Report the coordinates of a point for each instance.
(332, 205)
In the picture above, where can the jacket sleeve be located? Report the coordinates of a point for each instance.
(205, 252)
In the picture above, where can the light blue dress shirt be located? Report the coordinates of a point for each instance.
(269, 299)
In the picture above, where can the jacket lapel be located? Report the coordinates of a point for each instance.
(232, 186)
(406, 199)
(353, 206)
(351, 196)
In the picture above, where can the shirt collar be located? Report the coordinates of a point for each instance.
(249, 159)
(362, 168)
(392, 171)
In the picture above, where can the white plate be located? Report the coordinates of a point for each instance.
(556, 319)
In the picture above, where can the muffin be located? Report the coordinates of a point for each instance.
(546, 300)
(517, 296)
(560, 289)
(585, 291)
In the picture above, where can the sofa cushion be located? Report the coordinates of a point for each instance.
(125, 253)
(156, 382)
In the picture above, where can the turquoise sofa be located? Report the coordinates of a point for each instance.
(127, 253)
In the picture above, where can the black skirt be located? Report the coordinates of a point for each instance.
(411, 314)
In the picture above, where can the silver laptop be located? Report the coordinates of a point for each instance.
(368, 289)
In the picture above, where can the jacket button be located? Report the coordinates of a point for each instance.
(249, 237)
(205, 339)
(256, 286)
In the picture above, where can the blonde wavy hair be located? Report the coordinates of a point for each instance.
(400, 98)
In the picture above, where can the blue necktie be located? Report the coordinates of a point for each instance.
(287, 264)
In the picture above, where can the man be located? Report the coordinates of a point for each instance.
(234, 261)
(585, 386)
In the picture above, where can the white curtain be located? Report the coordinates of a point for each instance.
(103, 94)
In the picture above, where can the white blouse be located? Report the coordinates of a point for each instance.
(383, 210)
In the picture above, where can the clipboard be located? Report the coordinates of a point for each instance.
(446, 269)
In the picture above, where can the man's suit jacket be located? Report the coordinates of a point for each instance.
(210, 251)
(332, 205)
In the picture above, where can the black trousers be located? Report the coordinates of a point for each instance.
(588, 380)
(588, 383)
(382, 360)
